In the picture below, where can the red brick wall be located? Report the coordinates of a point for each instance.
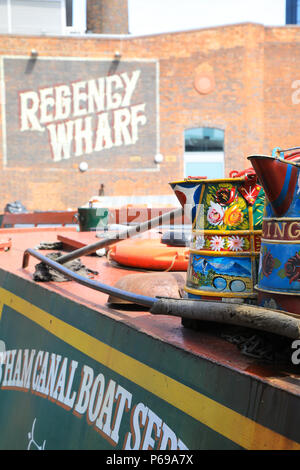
(252, 68)
(282, 71)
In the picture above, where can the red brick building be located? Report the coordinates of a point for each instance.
(123, 105)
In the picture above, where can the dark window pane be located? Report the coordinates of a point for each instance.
(292, 15)
(204, 139)
(69, 12)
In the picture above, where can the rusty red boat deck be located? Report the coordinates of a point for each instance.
(262, 382)
(166, 328)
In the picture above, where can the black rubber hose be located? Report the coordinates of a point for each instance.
(106, 289)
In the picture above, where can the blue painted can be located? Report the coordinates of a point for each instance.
(279, 266)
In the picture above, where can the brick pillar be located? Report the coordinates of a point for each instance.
(107, 16)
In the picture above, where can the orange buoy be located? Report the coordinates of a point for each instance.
(150, 254)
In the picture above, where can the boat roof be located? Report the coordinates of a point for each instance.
(206, 343)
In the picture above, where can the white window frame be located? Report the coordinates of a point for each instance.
(9, 21)
(203, 157)
(79, 17)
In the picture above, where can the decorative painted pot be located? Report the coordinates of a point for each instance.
(92, 218)
(226, 231)
(279, 267)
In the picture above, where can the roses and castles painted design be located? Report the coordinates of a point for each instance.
(227, 219)
(279, 267)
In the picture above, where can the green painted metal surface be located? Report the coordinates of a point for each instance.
(96, 382)
(92, 218)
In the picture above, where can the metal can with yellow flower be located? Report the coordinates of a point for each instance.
(226, 232)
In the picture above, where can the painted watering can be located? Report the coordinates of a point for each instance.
(226, 231)
(279, 267)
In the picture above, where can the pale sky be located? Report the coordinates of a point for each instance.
(157, 16)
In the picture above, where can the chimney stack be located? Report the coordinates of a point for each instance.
(107, 16)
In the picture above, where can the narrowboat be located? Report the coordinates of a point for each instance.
(98, 355)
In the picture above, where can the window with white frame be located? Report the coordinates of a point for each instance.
(75, 16)
(3, 16)
(204, 152)
(42, 16)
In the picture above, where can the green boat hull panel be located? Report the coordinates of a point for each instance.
(72, 378)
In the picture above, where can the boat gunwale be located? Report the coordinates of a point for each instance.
(120, 316)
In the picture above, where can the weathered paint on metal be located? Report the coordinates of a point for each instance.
(126, 374)
(226, 230)
(279, 267)
(148, 381)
